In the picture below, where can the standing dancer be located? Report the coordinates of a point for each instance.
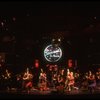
(27, 80)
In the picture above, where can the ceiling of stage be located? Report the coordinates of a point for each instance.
(36, 19)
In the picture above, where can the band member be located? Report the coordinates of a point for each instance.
(19, 80)
(61, 81)
(49, 76)
(84, 80)
(61, 77)
(7, 79)
(91, 82)
(54, 80)
(27, 80)
(66, 79)
(77, 79)
(60, 86)
(98, 78)
(71, 82)
(42, 81)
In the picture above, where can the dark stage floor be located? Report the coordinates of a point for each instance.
(52, 93)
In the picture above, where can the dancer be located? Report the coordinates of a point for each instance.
(27, 80)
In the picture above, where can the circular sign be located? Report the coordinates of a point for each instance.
(52, 54)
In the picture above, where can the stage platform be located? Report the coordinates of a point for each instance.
(51, 94)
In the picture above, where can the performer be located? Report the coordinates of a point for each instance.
(91, 82)
(61, 78)
(27, 80)
(66, 79)
(54, 80)
(19, 80)
(71, 82)
(7, 79)
(77, 80)
(98, 78)
(42, 81)
(60, 86)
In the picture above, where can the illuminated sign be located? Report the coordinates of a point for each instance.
(52, 54)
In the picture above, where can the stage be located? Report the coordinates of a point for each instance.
(52, 93)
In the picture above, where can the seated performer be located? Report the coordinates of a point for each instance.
(27, 80)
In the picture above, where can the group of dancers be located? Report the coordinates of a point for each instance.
(59, 79)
